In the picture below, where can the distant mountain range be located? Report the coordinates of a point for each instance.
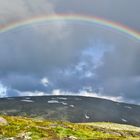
(71, 108)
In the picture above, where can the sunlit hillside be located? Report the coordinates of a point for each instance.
(21, 128)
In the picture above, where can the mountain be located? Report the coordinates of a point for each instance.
(71, 108)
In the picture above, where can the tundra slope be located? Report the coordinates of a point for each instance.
(22, 128)
(71, 108)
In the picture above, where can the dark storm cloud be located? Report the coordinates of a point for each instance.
(122, 62)
(29, 55)
(29, 51)
(119, 74)
(23, 82)
(72, 64)
(71, 58)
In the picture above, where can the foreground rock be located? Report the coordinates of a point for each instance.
(3, 121)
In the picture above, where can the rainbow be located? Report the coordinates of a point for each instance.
(66, 17)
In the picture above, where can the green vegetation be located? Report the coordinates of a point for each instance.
(21, 128)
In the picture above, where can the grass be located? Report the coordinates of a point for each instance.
(33, 129)
(114, 126)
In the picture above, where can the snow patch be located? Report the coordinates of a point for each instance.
(28, 98)
(56, 102)
(124, 120)
(29, 101)
(86, 116)
(129, 107)
(61, 98)
(72, 106)
(63, 103)
(53, 101)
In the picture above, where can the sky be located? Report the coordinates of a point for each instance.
(70, 58)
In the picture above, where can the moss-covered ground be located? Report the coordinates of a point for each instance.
(21, 128)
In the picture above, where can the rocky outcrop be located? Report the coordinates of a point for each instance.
(3, 121)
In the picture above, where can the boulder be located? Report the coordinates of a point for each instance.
(72, 138)
(3, 121)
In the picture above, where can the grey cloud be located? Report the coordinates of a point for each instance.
(29, 55)
(23, 82)
(73, 57)
(119, 72)
(23, 9)
(122, 62)
(125, 12)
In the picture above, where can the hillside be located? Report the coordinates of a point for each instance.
(21, 128)
(71, 108)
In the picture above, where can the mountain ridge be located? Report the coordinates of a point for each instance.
(71, 108)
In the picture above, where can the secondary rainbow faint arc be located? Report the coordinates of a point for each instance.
(66, 17)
